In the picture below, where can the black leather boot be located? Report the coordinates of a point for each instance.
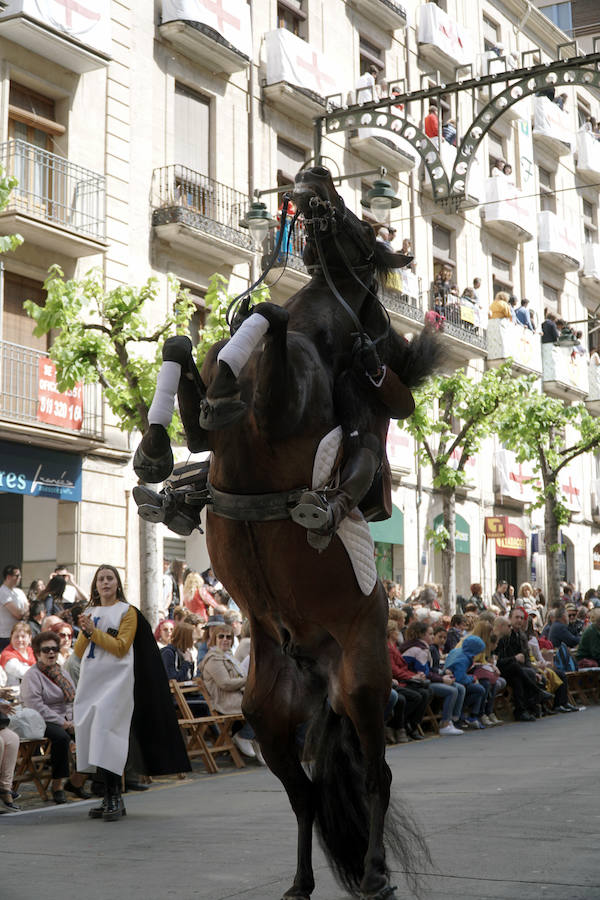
(114, 808)
(97, 812)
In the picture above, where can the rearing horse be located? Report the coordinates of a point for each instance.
(319, 667)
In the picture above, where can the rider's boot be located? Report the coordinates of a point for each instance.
(180, 502)
(321, 512)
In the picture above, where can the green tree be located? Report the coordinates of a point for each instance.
(453, 414)
(543, 430)
(7, 183)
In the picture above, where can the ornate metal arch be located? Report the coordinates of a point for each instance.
(450, 191)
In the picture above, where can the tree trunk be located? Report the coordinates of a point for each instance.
(150, 572)
(552, 555)
(449, 552)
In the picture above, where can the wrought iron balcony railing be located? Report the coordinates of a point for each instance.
(55, 190)
(183, 195)
(295, 249)
(457, 318)
(19, 392)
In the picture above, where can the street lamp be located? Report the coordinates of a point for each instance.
(381, 199)
(258, 222)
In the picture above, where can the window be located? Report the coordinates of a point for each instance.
(495, 148)
(291, 16)
(502, 279)
(31, 117)
(370, 55)
(584, 111)
(491, 34)
(590, 228)
(192, 130)
(560, 14)
(443, 244)
(290, 159)
(547, 195)
(551, 298)
(17, 326)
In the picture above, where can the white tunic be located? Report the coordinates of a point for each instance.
(104, 701)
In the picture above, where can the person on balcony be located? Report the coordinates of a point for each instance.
(523, 315)
(512, 302)
(499, 308)
(367, 89)
(561, 101)
(550, 333)
(432, 122)
(498, 168)
(449, 131)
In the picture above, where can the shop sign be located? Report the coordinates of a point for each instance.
(596, 556)
(39, 472)
(495, 526)
(514, 543)
(56, 408)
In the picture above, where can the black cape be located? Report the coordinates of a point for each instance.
(154, 723)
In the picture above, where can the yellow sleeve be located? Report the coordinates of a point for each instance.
(118, 645)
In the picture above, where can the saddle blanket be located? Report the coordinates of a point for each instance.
(353, 533)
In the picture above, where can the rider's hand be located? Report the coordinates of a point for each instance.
(367, 357)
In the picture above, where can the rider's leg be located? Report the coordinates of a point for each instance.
(223, 405)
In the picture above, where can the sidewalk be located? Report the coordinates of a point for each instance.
(510, 812)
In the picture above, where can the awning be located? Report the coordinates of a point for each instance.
(514, 544)
(391, 531)
(462, 533)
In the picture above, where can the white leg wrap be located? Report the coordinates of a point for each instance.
(163, 404)
(237, 352)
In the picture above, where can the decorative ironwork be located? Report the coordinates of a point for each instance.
(19, 392)
(185, 196)
(55, 190)
(295, 252)
(450, 191)
(214, 35)
(403, 305)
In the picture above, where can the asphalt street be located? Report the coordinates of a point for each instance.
(512, 812)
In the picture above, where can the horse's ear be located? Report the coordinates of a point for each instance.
(387, 259)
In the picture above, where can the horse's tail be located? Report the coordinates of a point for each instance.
(342, 806)
(418, 358)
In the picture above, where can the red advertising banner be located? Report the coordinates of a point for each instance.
(55, 408)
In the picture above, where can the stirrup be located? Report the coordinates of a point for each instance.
(312, 511)
(167, 508)
(221, 412)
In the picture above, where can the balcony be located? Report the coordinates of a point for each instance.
(489, 63)
(588, 155)
(506, 212)
(552, 127)
(385, 13)
(558, 242)
(507, 340)
(459, 321)
(196, 214)
(564, 372)
(298, 78)
(19, 395)
(76, 36)
(289, 270)
(218, 36)
(382, 147)
(590, 274)
(56, 204)
(402, 298)
(443, 43)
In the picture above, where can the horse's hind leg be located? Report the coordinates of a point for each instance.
(270, 704)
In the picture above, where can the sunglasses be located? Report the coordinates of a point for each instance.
(66, 634)
(222, 637)
(48, 649)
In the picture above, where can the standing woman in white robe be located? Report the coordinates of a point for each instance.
(104, 701)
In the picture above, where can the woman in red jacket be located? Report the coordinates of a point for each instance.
(413, 687)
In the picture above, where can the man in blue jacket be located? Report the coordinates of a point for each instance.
(522, 314)
(559, 631)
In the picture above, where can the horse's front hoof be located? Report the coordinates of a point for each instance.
(221, 412)
(153, 459)
(384, 893)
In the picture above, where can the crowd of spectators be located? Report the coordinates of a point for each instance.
(469, 659)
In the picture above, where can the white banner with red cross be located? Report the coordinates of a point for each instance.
(291, 59)
(86, 20)
(229, 18)
(569, 484)
(515, 479)
(438, 28)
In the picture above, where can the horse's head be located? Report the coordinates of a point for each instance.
(334, 233)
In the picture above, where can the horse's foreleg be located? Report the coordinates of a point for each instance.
(153, 460)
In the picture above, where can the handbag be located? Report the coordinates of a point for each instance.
(485, 673)
(28, 724)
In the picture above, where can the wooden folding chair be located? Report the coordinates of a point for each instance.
(581, 687)
(431, 719)
(33, 764)
(224, 743)
(193, 729)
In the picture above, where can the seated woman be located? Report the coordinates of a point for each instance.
(164, 632)
(65, 633)
(553, 681)
(18, 656)
(487, 672)
(179, 661)
(9, 750)
(417, 655)
(459, 661)
(50, 691)
(225, 684)
(409, 685)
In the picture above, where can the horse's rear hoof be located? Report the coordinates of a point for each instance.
(221, 412)
(153, 459)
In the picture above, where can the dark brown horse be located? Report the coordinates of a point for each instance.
(319, 675)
